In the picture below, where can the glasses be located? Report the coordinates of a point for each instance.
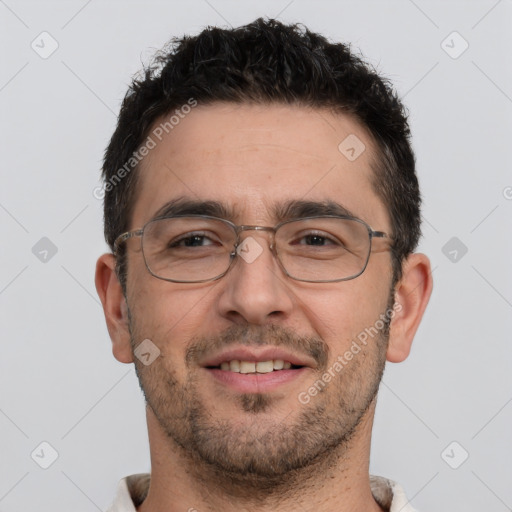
(201, 248)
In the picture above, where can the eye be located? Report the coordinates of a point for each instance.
(318, 240)
(192, 240)
(315, 239)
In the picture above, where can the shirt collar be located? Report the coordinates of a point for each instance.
(132, 490)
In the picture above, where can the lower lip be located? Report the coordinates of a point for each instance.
(256, 382)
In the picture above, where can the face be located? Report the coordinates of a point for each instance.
(254, 161)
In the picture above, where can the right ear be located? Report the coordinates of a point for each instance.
(114, 307)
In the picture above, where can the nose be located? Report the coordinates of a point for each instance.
(255, 289)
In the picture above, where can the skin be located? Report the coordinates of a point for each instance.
(211, 448)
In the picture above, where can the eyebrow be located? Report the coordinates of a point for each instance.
(184, 206)
(298, 208)
(287, 210)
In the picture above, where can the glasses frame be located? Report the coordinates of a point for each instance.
(238, 229)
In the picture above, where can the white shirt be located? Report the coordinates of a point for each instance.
(132, 490)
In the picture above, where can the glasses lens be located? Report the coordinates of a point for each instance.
(323, 249)
(187, 249)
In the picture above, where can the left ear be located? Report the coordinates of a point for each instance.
(412, 294)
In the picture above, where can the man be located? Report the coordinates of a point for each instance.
(262, 209)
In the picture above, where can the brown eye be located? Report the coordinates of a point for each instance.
(192, 241)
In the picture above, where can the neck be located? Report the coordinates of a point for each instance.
(337, 481)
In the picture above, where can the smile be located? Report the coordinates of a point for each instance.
(252, 369)
(238, 366)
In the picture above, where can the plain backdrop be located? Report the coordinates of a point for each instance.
(444, 416)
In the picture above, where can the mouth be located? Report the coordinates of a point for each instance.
(272, 365)
(247, 370)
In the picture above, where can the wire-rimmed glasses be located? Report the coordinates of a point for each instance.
(201, 248)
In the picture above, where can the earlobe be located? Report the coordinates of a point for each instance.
(412, 294)
(114, 307)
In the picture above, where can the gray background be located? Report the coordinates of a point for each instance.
(58, 379)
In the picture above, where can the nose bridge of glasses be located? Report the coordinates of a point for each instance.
(262, 229)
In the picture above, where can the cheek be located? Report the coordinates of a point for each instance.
(340, 313)
(168, 314)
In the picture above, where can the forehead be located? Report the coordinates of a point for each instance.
(254, 158)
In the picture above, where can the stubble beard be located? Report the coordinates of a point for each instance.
(265, 454)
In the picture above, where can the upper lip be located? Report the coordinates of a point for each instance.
(258, 354)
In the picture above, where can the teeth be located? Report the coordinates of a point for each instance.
(247, 367)
(264, 366)
(253, 367)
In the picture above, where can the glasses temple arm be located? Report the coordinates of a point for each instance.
(125, 236)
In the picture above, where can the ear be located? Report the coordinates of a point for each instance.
(114, 306)
(412, 294)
